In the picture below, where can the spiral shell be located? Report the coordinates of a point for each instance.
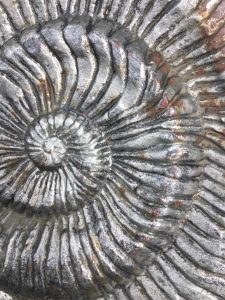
(102, 150)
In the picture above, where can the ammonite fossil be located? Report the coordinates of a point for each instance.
(111, 149)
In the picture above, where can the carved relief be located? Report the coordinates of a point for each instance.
(102, 153)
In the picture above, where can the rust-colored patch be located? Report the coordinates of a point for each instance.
(212, 109)
(152, 112)
(178, 203)
(221, 142)
(200, 71)
(202, 10)
(199, 139)
(183, 221)
(122, 190)
(217, 104)
(157, 58)
(215, 20)
(165, 68)
(117, 44)
(179, 103)
(154, 213)
(142, 156)
(45, 88)
(219, 66)
(164, 102)
(172, 80)
(217, 40)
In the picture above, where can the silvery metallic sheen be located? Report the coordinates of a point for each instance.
(112, 161)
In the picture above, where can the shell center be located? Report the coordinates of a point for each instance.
(54, 151)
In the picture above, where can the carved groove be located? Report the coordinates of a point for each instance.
(111, 149)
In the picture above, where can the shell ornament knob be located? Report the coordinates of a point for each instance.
(112, 129)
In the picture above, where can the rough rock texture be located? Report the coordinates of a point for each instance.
(112, 178)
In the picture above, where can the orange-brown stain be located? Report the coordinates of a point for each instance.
(122, 190)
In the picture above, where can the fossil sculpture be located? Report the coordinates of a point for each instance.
(111, 149)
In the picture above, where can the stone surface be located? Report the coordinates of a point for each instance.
(4, 296)
(111, 149)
